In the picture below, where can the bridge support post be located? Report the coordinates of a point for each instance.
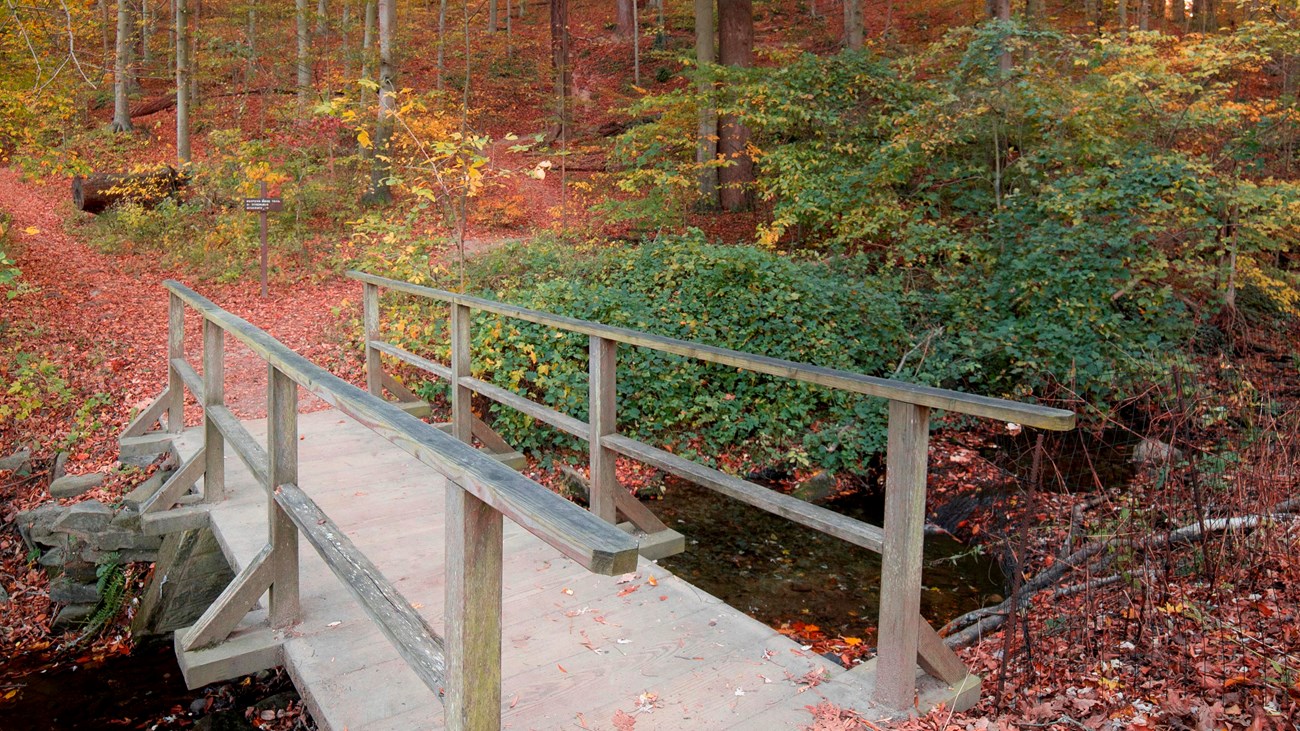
(906, 457)
(282, 468)
(175, 350)
(370, 314)
(603, 392)
(214, 394)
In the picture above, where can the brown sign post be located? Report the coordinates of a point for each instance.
(261, 206)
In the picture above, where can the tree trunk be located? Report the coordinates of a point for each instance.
(492, 16)
(105, 32)
(560, 64)
(1121, 13)
(251, 35)
(735, 48)
(99, 191)
(381, 170)
(442, 42)
(853, 24)
(321, 9)
(368, 50)
(182, 82)
(623, 16)
(121, 68)
(1004, 14)
(1178, 13)
(1144, 14)
(706, 146)
(636, 45)
(194, 53)
(146, 31)
(304, 70)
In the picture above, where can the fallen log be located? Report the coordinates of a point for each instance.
(94, 194)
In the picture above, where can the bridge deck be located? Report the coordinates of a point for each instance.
(578, 648)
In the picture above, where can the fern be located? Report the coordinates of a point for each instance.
(112, 595)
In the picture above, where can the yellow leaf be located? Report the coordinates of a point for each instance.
(363, 138)
(31, 230)
(853, 641)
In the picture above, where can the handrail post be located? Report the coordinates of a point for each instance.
(214, 394)
(370, 314)
(473, 604)
(906, 458)
(282, 468)
(602, 387)
(175, 349)
(462, 418)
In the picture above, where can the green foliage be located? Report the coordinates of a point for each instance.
(33, 383)
(683, 287)
(111, 584)
(9, 272)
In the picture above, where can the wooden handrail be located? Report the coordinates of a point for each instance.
(596, 545)
(1043, 417)
(904, 641)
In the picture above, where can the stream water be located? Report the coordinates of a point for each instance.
(779, 571)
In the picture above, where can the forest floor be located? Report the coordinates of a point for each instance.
(1185, 634)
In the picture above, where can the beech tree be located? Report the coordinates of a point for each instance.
(735, 48)
(304, 71)
(853, 24)
(121, 68)
(381, 170)
(706, 148)
(182, 82)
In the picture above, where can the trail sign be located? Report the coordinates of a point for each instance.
(261, 206)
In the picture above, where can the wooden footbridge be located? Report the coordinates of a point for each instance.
(420, 607)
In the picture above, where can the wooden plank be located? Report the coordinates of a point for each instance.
(282, 468)
(395, 387)
(462, 418)
(149, 416)
(936, 658)
(906, 458)
(370, 314)
(636, 511)
(492, 441)
(602, 364)
(473, 613)
(180, 481)
(232, 604)
(826, 521)
(214, 394)
(190, 378)
(938, 398)
(544, 414)
(142, 450)
(247, 651)
(596, 545)
(434, 367)
(240, 440)
(175, 351)
(175, 520)
(410, 635)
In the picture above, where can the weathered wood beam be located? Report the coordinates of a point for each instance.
(282, 467)
(190, 379)
(602, 404)
(176, 485)
(148, 416)
(238, 438)
(898, 630)
(214, 394)
(572, 531)
(434, 367)
(175, 351)
(233, 603)
(938, 398)
(792, 508)
(413, 638)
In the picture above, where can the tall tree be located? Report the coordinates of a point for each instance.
(624, 17)
(105, 31)
(195, 37)
(182, 81)
(121, 68)
(321, 9)
(442, 42)
(304, 70)
(1178, 13)
(853, 24)
(492, 16)
(560, 64)
(706, 147)
(735, 48)
(381, 170)
(368, 50)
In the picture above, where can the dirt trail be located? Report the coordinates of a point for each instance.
(105, 315)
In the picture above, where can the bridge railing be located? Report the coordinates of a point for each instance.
(905, 639)
(467, 663)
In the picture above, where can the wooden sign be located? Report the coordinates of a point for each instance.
(261, 206)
